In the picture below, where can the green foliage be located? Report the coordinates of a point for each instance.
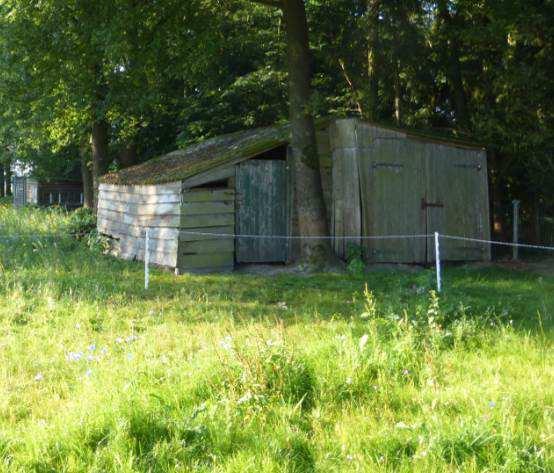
(354, 259)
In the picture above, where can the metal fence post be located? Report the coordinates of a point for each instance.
(515, 254)
(438, 262)
(146, 258)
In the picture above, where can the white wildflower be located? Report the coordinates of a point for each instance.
(363, 341)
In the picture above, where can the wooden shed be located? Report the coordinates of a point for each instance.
(27, 190)
(377, 181)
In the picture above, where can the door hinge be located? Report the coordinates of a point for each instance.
(425, 204)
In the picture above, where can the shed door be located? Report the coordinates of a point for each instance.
(456, 201)
(261, 187)
(392, 180)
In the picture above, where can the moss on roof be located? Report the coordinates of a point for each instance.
(234, 148)
(182, 164)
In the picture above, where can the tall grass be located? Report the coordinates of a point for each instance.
(241, 373)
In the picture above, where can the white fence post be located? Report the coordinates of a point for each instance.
(515, 254)
(146, 258)
(438, 262)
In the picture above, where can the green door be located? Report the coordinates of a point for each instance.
(456, 202)
(262, 211)
(392, 176)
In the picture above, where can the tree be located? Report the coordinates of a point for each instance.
(310, 215)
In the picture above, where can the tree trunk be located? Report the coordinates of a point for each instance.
(99, 155)
(397, 95)
(372, 92)
(86, 174)
(308, 194)
(128, 156)
(8, 179)
(2, 182)
(453, 66)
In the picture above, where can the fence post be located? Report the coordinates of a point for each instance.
(515, 254)
(146, 258)
(438, 262)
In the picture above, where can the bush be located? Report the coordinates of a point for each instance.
(81, 222)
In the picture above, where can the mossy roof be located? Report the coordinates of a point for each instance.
(234, 148)
(184, 163)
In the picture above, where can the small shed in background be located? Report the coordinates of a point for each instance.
(30, 191)
(377, 181)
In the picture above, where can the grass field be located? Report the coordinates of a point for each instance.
(266, 374)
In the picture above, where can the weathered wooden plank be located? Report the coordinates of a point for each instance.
(170, 188)
(205, 261)
(209, 195)
(214, 175)
(140, 209)
(110, 227)
(220, 245)
(203, 221)
(139, 198)
(155, 245)
(205, 208)
(162, 220)
(195, 234)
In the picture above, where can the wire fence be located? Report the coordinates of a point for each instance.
(437, 239)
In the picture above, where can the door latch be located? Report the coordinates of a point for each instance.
(425, 204)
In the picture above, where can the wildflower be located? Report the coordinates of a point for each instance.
(348, 380)
(405, 372)
(247, 397)
(104, 351)
(492, 404)
(402, 426)
(129, 356)
(88, 373)
(226, 343)
(92, 347)
(119, 340)
(349, 458)
(282, 305)
(39, 377)
(363, 341)
(90, 358)
(77, 326)
(74, 356)
(131, 338)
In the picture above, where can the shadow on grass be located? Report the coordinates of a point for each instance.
(73, 272)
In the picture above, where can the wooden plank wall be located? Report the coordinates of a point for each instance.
(210, 211)
(125, 211)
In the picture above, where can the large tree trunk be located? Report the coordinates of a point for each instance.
(372, 90)
(308, 196)
(86, 175)
(99, 141)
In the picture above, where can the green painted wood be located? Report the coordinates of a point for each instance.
(221, 245)
(205, 261)
(204, 208)
(189, 233)
(206, 221)
(210, 195)
(457, 179)
(262, 211)
(392, 178)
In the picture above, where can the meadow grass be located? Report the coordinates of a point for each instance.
(243, 373)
